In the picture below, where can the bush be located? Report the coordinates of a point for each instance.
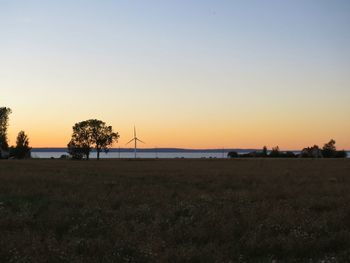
(232, 154)
(275, 152)
(341, 154)
(290, 155)
(77, 153)
(311, 152)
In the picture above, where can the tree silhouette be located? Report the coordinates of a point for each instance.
(329, 150)
(264, 151)
(4, 117)
(77, 150)
(311, 152)
(91, 134)
(275, 152)
(22, 149)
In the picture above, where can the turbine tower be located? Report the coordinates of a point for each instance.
(135, 139)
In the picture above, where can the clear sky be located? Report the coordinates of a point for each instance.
(187, 73)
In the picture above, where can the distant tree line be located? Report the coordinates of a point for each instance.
(95, 134)
(329, 150)
(21, 150)
(87, 135)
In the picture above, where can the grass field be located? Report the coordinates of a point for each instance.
(256, 210)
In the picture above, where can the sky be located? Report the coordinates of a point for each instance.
(187, 73)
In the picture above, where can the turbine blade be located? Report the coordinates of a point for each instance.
(139, 140)
(130, 141)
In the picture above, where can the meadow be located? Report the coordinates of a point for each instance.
(180, 210)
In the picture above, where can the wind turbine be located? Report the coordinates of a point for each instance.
(135, 139)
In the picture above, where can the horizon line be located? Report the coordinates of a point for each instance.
(172, 148)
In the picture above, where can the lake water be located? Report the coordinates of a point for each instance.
(139, 154)
(198, 155)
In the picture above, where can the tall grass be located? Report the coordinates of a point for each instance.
(256, 210)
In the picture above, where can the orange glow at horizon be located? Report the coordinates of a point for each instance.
(193, 136)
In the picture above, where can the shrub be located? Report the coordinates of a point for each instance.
(75, 151)
(311, 152)
(232, 154)
(290, 155)
(275, 152)
(341, 154)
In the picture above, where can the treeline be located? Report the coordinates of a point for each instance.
(87, 135)
(19, 151)
(95, 134)
(329, 150)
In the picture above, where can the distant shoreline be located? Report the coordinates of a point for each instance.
(170, 150)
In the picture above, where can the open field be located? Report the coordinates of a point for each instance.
(254, 210)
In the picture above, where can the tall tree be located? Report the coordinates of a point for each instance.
(22, 149)
(329, 150)
(81, 143)
(264, 151)
(4, 117)
(91, 134)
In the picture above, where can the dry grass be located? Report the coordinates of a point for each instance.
(175, 211)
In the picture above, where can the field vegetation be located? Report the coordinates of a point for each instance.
(238, 210)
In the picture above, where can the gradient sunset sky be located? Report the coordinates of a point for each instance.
(187, 73)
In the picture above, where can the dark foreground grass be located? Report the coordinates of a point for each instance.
(175, 211)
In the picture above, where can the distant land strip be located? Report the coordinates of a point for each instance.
(171, 150)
